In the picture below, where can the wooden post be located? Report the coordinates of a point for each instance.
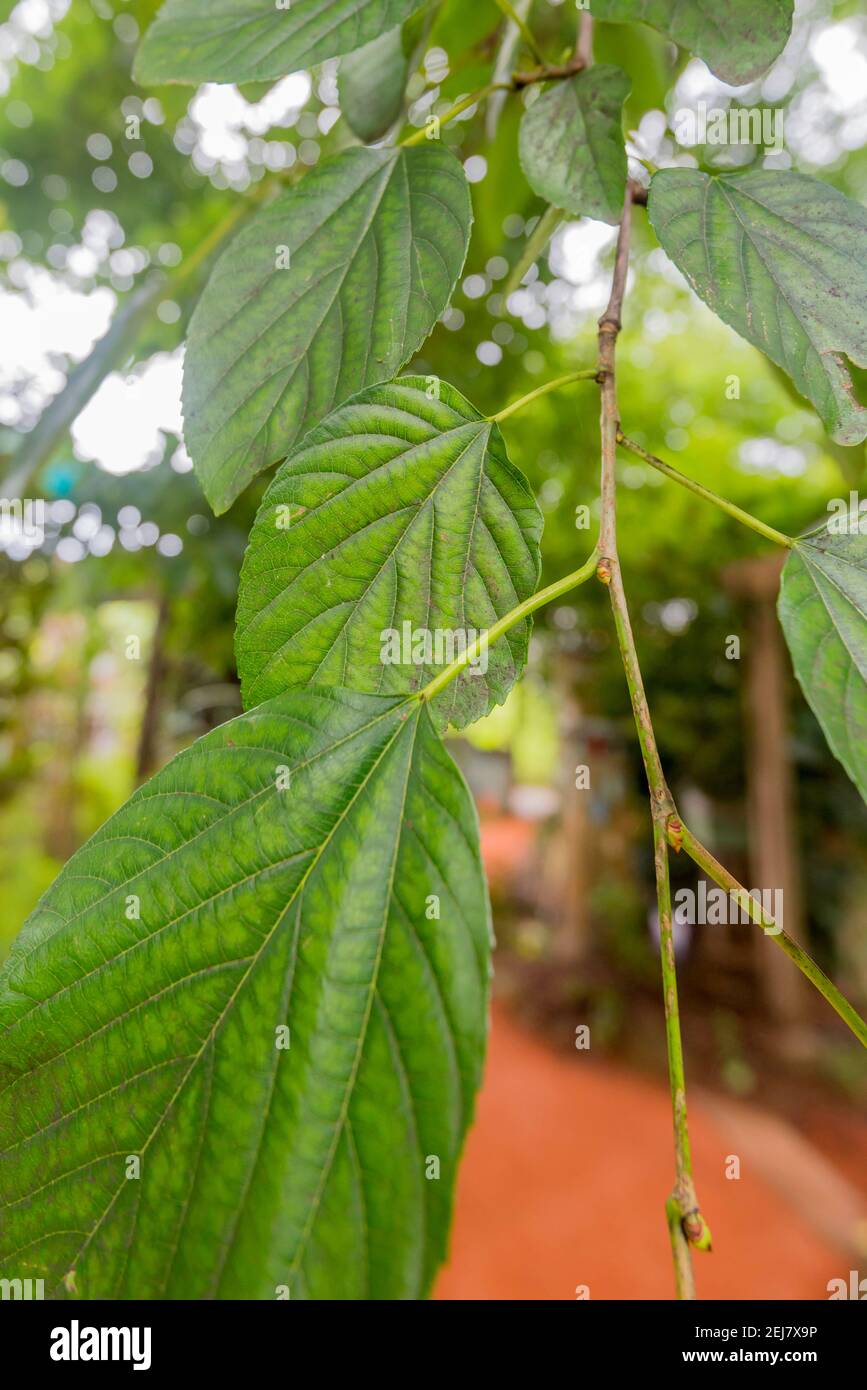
(774, 858)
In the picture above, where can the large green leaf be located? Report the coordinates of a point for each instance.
(350, 908)
(738, 39)
(256, 40)
(374, 241)
(823, 610)
(402, 508)
(571, 144)
(783, 259)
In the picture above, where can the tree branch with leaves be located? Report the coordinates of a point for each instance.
(242, 1034)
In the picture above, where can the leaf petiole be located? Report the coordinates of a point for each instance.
(680, 836)
(535, 246)
(746, 518)
(418, 136)
(586, 374)
(502, 625)
(523, 28)
(546, 72)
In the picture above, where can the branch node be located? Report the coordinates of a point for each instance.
(674, 832)
(603, 570)
(697, 1231)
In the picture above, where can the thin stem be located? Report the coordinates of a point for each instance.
(746, 518)
(684, 1279)
(586, 374)
(681, 835)
(503, 65)
(661, 801)
(546, 72)
(692, 1224)
(502, 625)
(584, 47)
(672, 1012)
(534, 246)
(609, 327)
(523, 29)
(686, 1224)
(609, 571)
(464, 104)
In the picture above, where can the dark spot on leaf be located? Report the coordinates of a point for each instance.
(857, 385)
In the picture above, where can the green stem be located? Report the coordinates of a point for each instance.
(680, 834)
(586, 374)
(673, 1039)
(684, 1279)
(686, 1224)
(692, 1226)
(418, 136)
(546, 72)
(535, 245)
(661, 802)
(523, 29)
(502, 625)
(746, 518)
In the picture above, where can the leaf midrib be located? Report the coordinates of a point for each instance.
(478, 428)
(7, 976)
(265, 21)
(813, 570)
(386, 168)
(372, 995)
(212, 1032)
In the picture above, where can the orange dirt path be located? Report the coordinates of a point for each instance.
(564, 1181)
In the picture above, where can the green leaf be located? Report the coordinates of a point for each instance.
(823, 610)
(257, 40)
(156, 1035)
(375, 241)
(739, 39)
(782, 258)
(571, 144)
(400, 514)
(372, 80)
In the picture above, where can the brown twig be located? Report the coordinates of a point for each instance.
(584, 48)
(609, 327)
(548, 72)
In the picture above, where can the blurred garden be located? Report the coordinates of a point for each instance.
(118, 591)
